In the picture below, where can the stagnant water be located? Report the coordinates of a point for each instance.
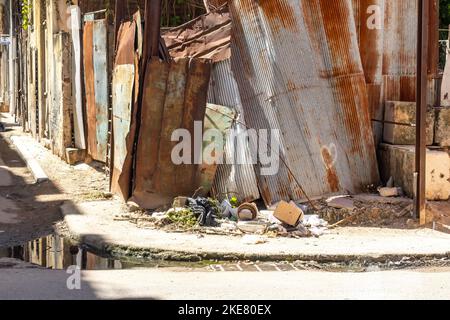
(56, 252)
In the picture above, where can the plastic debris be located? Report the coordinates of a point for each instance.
(252, 227)
(227, 210)
(247, 212)
(314, 220)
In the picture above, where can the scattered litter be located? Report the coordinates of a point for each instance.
(252, 227)
(407, 211)
(229, 226)
(318, 231)
(132, 207)
(206, 210)
(269, 215)
(159, 214)
(82, 167)
(179, 202)
(314, 220)
(247, 212)
(341, 203)
(288, 213)
(390, 183)
(390, 192)
(227, 210)
(253, 239)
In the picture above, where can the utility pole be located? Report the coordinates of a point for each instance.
(12, 59)
(421, 109)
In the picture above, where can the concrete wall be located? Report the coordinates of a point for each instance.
(399, 162)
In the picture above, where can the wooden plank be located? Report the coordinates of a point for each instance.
(59, 114)
(122, 100)
(124, 80)
(88, 56)
(80, 139)
(39, 17)
(101, 88)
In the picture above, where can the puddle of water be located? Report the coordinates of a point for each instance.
(59, 253)
(55, 252)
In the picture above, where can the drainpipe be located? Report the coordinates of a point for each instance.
(12, 59)
(421, 110)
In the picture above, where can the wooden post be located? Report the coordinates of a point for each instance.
(39, 18)
(421, 112)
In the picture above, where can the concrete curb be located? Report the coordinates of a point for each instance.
(95, 229)
(32, 164)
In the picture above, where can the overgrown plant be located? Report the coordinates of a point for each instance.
(183, 218)
(176, 12)
(26, 10)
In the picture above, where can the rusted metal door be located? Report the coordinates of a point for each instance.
(95, 46)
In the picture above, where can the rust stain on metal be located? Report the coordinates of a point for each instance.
(122, 90)
(332, 178)
(126, 41)
(88, 43)
(174, 97)
(280, 14)
(336, 22)
(207, 36)
(319, 95)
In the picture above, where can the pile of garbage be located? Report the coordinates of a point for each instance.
(288, 220)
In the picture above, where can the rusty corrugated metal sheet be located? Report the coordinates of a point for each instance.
(210, 36)
(387, 32)
(299, 70)
(236, 177)
(124, 75)
(174, 97)
(399, 50)
(369, 19)
(207, 36)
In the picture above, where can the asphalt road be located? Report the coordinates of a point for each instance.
(163, 284)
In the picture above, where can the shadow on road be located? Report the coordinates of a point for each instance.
(29, 213)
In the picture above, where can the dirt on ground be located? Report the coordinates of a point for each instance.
(37, 206)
